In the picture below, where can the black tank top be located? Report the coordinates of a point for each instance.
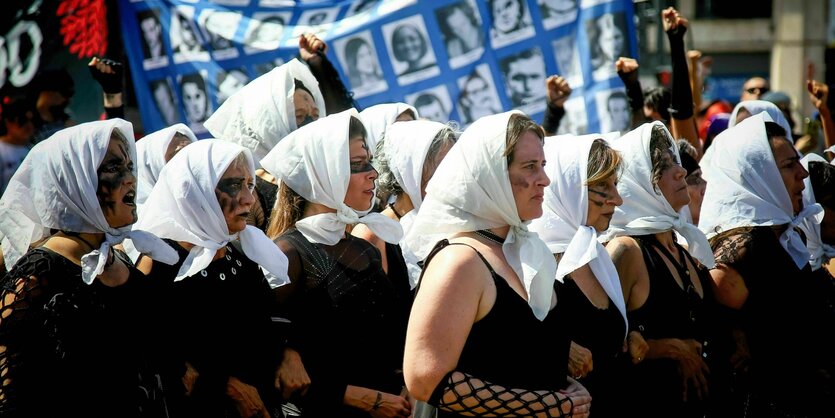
(510, 346)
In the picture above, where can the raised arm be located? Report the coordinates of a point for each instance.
(108, 73)
(682, 122)
(628, 73)
(312, 50)
(558, 92)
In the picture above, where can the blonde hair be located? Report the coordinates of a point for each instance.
(604, 162)
(517, 126)
(288, 209)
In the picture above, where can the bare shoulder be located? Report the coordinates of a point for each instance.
(624, 250)
(455, 267)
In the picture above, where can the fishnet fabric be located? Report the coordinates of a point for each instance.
(466, 395)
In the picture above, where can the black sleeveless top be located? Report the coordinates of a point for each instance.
(601, 331)
(398, 273)
(511, 347)
(348, 321)
(73, 349)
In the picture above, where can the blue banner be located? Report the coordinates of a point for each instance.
(451, 59)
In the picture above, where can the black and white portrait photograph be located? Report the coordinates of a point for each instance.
(262, 68)
(265, 31)
(229, 82)
(607, 42)
(567, 56)
(186, 42)
(165, 100)
(510, 21)
(358, 56)
(613, 110)
(461, 29)
(524, 76)
(195, 97)
(220, 27)
(433, 104)
(153, 47)
(575, 121)
(409, 49)
(557, 12)
(478, 96)
(316, 21)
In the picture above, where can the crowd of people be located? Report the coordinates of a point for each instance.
(314, 260)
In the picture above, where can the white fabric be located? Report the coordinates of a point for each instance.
(819, 251)
(565, 213)
(407, 145)
(314, 161)
(183, 207)
(471, 191)
(150, 157)
(745, 188)
(645, 211)
(55, 188)
(831, 149)
(259, 115)
(377, 119)
(759, 106)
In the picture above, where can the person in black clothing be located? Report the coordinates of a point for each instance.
(667, 289)
(75, 338)
(222, 353)
(763, 276)
(483, 336)
(585, 169)
(348, 320)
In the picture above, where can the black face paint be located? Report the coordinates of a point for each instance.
(228, 191)
(307, 119)
(231, 186)
(111, 176)
(361, 166)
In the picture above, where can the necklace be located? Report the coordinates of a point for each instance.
(490, 236)
(396, 213)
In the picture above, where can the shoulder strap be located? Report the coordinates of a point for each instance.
(443, 244)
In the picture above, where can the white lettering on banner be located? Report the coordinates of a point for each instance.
(21, 69)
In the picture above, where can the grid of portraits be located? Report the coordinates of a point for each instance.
(451, 59)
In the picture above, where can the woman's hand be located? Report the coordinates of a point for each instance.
(310, 45)
(558, 90)
(579, 361)
(291, 376)
(247, 400)
(637, 346)
(390, 406)
(580, 398)
(673, 21)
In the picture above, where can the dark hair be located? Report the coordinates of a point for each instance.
(14, 109)
(444, 13)
(518, 125)
(659, 146)
(617, 94)
(299, 85)
(427, 99)
(822, 177)
(520, 3)
(396, 35)
(356, 128)
(773, 130)
(526, 54)
(58, 80)
(352, 47)
(658, 99)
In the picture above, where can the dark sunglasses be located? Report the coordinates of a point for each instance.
(757, 90)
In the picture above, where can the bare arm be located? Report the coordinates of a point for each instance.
(819, 94)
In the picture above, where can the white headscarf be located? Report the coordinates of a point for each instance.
(262, 113)
(183, 207)
(819, 251)
(55, 188)
(150, 152)
(378, 117)
(746, 189)
(565, 212)
(645, 211)
(314, 161)
(471, 191)
(407, 145)
(759, 106)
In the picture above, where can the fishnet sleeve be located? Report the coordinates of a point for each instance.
(19, 297)
(466, 395)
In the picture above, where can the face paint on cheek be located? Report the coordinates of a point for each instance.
(519, 181)
(307, 119)
(228, 203)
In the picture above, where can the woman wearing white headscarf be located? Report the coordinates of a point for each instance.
(339, 295)
(217, 298)
(484, 338)
(819, 188)
(753, 203)
(748, 108)
(578, 205)
(666, 287)
(259, 115)
(377, 119)
(73, 318)
(153, 151)
(407, 160)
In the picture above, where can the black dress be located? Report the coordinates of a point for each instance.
(602, 332)
(348, 321)
(671, 311)
(217, 320)
(787, 320)
(73, 349)
(509, 346)
(398, 273)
